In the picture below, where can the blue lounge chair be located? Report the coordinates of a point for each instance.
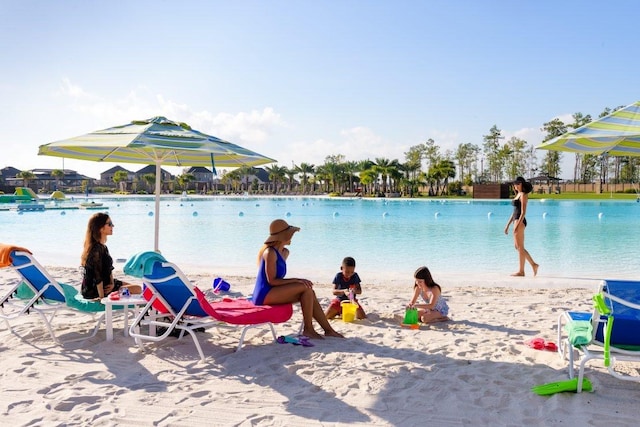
(39, 292)
(184, 309)
(609, 333)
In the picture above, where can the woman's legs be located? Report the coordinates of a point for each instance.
(309, 304)
(134, 289)
(523, 254)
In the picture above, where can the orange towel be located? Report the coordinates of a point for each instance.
(5, 253)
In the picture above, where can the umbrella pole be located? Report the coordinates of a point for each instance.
(157, 215)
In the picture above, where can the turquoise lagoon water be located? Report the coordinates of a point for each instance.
(386, 236)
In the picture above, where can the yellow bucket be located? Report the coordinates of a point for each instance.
(348, 311)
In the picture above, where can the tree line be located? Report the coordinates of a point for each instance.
(426, 168)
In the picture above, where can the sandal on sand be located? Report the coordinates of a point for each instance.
(540, 344)
(536, 343)
(295, 340)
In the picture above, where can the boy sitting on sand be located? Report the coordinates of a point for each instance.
(345, 282)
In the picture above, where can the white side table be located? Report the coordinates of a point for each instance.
(134, 301)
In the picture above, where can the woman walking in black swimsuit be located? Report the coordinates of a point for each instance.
(519, 202)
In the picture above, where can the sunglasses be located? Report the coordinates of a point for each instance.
(110, 224)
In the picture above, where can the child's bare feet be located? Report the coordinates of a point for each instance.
(535, 269)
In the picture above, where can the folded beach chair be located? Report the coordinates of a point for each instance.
(187, 310)
(39, 292)
(610, 333)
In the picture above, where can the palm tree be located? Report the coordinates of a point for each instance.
(276, 173)
(350, 168)
(322, 178)
(184, 180)
(58, 175)
(26, 176)
(368, 178)
(232, 180)
(290, 173)
(245, 172)
(305, 169)
(385, 167)
(120, 178)
(150, 180)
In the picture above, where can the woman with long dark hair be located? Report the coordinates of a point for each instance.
(522, 188)
(97, 280)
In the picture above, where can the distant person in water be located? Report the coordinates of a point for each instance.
(522, 189)
(273, 288)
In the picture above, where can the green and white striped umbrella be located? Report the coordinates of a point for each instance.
(157, 141)
(617, 134)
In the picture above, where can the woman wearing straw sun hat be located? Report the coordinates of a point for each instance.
(522, 188)
(272, 287)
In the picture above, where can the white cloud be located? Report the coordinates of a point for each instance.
(357, 143)
(70, 90)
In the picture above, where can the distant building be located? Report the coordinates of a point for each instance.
(106, 177)
(5, 174)
(166, 179)
(204, 178)
(44, 181)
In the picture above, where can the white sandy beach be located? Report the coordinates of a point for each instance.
(472, 370)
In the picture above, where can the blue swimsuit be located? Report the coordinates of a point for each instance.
(263, 287)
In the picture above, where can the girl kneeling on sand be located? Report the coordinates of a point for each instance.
(435, 308)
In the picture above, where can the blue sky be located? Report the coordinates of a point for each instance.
(300, 80)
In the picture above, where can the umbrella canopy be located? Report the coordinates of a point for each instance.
(617, 134)
(157, 141)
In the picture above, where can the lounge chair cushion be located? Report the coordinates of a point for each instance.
(72, 297)
(244, 312)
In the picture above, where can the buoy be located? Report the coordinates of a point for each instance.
(150, 213)
(489, 215)
(288, 214)
(600, 215)
(336, 214)
(386, 214)
(437, 214)
(257, 205)
(544, 215)
(195, 214)
(63, 213)
(240, 213)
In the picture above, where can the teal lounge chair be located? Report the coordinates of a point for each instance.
(184, 309)
(39, 292)
(610, 333)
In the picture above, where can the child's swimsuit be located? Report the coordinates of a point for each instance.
(441, 304)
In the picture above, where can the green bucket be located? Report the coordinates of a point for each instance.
(410, 316)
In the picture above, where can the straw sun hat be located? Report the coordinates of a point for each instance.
(280, 231)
